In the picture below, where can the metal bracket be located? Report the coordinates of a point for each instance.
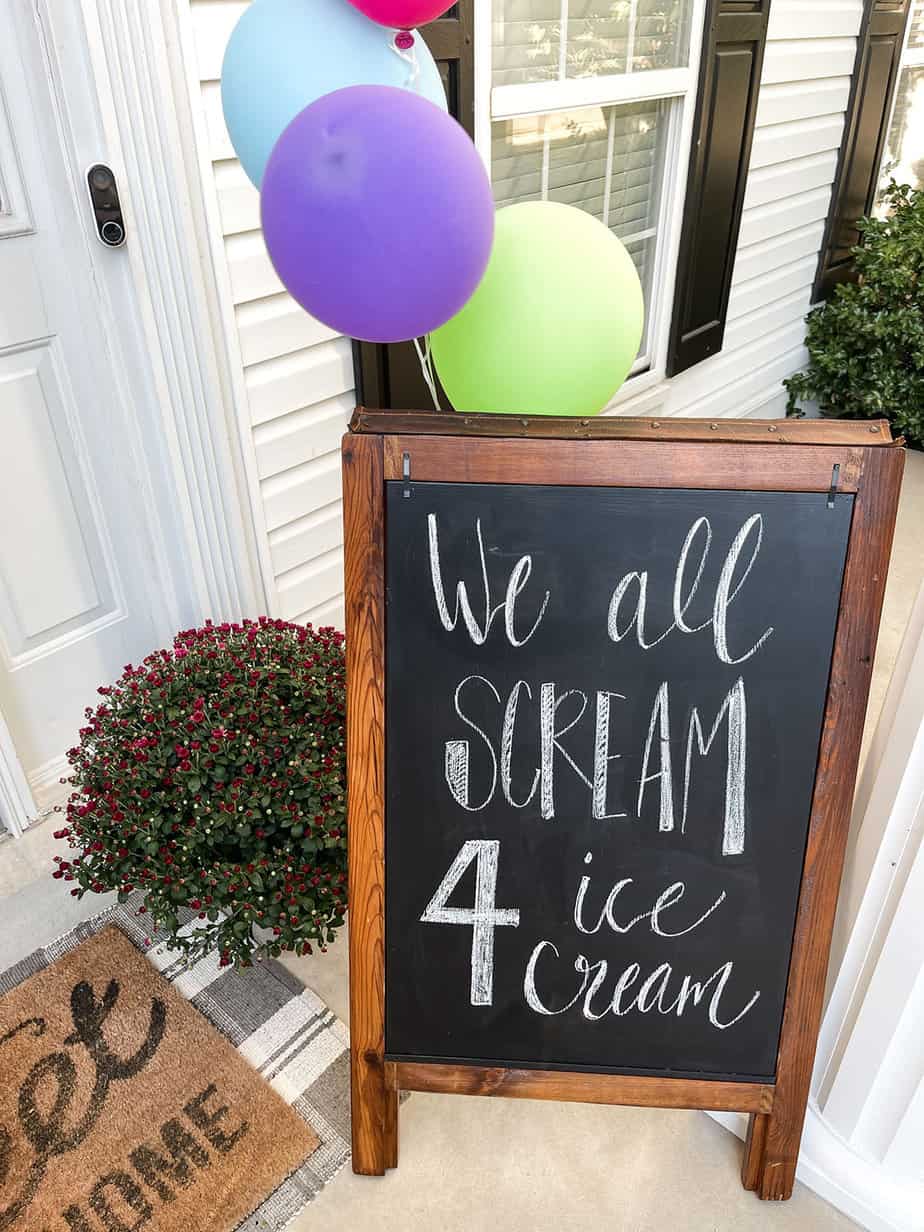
(406, 471)
(835, 478)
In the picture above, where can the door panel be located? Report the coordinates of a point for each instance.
(77, 595)
(59, 538)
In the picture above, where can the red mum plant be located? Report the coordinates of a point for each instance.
(212, 777)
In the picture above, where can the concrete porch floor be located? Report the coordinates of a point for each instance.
(523, 1166)
(476, 1165)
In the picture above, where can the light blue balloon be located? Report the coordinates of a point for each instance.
(284, 54)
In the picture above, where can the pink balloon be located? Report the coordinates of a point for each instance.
(403, 14)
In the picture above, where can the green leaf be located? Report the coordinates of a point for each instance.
(866, 343)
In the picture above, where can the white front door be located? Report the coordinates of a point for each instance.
(79, 595)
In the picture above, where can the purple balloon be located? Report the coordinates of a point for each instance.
(377, 213)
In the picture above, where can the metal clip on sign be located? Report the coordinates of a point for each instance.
(835, 477)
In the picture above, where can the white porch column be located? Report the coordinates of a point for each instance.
(863, 1146)
(864, 1141)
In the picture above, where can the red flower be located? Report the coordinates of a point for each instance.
(179, 811)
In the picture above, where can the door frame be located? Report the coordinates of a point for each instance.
(453, 40)
(17, 804)
(117, 79)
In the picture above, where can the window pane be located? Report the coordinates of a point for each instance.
(598, 34)
(605, 160)
(904, 160)
(526, 41)
(916, 33)
(662, 34)
(602, 37)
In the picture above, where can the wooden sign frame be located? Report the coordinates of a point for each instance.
(755, 455)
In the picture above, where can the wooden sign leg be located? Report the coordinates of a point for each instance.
(374, 1106)
(392, 1095)
(754, 1144)
(367, 1109)
(774, 1140)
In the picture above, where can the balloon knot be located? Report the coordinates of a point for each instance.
(404, 40)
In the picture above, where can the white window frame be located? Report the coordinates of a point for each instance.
(911, 57)
(677, 86)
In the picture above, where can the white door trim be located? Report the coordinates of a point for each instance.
(141, 106)
(187, 95)
(120, 96)
(860, 1147)
(17, 807)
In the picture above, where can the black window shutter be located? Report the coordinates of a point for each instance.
(389, 377)
(733, 53)
(875, 75)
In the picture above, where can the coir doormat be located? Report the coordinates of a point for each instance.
(123, 1108)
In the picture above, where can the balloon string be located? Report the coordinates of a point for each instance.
(426, 367)
(409, 56)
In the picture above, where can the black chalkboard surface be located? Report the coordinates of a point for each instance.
(603, 711)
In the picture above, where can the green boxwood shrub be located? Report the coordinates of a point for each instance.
(866, 344)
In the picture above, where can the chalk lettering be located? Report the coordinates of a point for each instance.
(652, 994)
(550, 743)
(602, 755)
(483, 918)
(510, 718)
(660, 719)
(529, 982)
(656, 758)
(725, 596)
(457, 763)
(516, 584)
(636, 582)
(734, 711)
(666, 899)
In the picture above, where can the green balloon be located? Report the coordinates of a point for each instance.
(555, 324)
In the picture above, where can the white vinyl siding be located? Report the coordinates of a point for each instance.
(805, 86)
(297, 374)
(804, 92)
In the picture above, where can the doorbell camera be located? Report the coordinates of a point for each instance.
(104, 198)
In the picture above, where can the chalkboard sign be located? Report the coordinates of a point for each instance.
(603, 700)
(603, 713)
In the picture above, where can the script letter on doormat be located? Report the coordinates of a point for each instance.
(121, 1107)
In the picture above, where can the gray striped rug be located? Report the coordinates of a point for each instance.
(280, 1027)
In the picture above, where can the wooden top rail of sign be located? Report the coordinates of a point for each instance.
(858, 457)
(612, 428)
